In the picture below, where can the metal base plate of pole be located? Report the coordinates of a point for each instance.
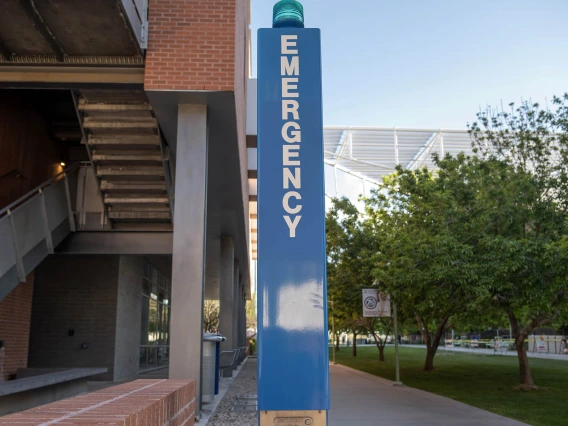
(293, 418)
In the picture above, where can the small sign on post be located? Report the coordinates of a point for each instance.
(376, 303)
(542, 345)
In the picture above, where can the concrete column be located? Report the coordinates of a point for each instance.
(241, 319)
(227, 297)
(244, 320)
(235, 343)
(188, 269)
(212, 267)
(237, 325)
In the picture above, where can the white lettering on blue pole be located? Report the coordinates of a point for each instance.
(291, 130)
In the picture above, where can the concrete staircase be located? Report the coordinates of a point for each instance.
(128, 155)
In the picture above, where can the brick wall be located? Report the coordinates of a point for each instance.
(241, 78)
(25, 148)
(191, 45)
(142, 402)
(15, 313)
(76, 293)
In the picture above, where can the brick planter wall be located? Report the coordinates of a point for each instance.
(142, 402)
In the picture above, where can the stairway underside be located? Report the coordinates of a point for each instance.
(123, 138)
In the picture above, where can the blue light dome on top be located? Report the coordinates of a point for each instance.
(288, 14)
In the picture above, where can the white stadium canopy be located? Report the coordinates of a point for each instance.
(357, 158)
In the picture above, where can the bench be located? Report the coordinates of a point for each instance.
(42, 386)
(141, 402)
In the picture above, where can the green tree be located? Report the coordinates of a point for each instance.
(349, 269)
(430, 224)
(524, 250)
(377, 327)
(251, 312)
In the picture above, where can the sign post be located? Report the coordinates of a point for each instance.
(293, 359)
(378, 304)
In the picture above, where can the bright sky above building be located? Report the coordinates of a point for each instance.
(432, 63)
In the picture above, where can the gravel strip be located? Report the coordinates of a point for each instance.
(244, 383)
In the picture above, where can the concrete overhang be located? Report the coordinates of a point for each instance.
(70, 75)
(225, 209)
(134, 243)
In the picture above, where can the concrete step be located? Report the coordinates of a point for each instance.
(141, 208)
(135, 199)
(124, 140)
(137, 215)
(133, 185)
(130, 123)
(130, 171)
(84, 106)
(148, 155)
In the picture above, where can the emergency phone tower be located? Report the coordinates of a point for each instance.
(293, 363)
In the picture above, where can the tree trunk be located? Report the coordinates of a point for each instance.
(381, 353)
(432, 342)
(337, 342)
(527, 382)
(380, 347)
(429, 363)
(354, 343)
(519, 335)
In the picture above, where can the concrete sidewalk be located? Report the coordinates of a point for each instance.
(361, 399)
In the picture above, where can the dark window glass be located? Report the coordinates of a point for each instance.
(143, 365)
(153, 327)
(144, 325)
(146, 287)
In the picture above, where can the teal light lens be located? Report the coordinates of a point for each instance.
(288, 14)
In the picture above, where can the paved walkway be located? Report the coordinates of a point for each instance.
(361, 399)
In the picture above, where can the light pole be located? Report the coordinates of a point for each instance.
(397, 367)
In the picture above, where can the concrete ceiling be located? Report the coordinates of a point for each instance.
(66, 31)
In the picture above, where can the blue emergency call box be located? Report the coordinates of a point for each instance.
(293, 363)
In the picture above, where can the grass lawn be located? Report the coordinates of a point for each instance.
(484, 381)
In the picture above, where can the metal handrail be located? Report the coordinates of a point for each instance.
(13, 172)
(37, 189)
(234, 359)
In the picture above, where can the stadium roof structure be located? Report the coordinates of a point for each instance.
(374, 152)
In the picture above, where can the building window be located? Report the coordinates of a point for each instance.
(155, 324)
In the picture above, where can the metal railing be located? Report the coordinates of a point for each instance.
(32, 226)
(38, 190)
(228, 358)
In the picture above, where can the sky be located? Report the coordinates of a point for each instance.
(432, 63)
